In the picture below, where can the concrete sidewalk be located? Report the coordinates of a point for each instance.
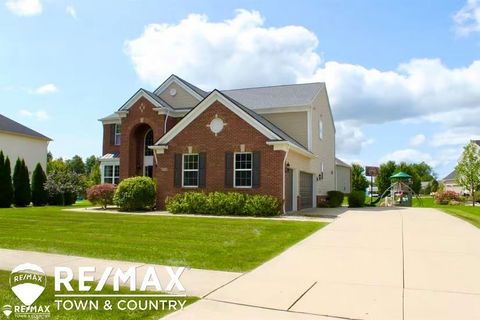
(197, 282)
(386, 264)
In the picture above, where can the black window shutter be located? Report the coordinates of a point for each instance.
(202, 158)
(228, 169)
(256, 170)
(177, 174)
(112, 134)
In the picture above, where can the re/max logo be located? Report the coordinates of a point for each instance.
(151, 279)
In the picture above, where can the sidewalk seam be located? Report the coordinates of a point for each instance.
(301, 296)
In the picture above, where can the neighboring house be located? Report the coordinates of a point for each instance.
(344, 176)
(277, 140)
(18, 141)
(450, 181)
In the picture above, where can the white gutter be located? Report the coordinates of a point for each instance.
(287, 145)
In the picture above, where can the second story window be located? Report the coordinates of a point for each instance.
(320, 129)
(117, 134)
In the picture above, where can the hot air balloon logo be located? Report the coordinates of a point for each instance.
(28, 281)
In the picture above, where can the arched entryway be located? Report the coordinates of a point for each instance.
(141, 157)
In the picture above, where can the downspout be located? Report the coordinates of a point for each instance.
(165, 124)
(284, 173)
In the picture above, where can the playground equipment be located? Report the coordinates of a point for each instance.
(399, 194)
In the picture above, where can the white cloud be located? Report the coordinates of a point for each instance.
(243, 51)
(417, 140)
(24, 7)
(349, 138)
(39, 115)
(409, 156)
(71, 11)
(456, 136)
(233, 53)
(467, 19)
(46, 89)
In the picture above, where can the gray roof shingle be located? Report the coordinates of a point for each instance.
(276, 96)
(451, 176)
(8, 125)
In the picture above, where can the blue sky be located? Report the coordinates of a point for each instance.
(403, 77)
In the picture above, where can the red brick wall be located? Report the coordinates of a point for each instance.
(107, 147)
(201, 139)
(140, 118)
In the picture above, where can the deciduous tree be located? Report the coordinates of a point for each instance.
(468, 169)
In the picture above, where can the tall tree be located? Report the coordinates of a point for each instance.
(359, 182)
(21, 185)
(468, 169)
(383, 180)
(90, 164)
(39, 194)
(76, 164)
(5, 182)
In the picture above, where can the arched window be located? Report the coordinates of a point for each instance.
(148, 142)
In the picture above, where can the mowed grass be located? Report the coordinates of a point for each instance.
(7, 297)
(468, 213)
(205, 243)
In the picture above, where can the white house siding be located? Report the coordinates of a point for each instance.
(325, 147)
(30, 149)
(293, 123)
(344, 179)
(181, 99)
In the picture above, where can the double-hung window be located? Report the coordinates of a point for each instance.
(243, 169)
(111, 174)
(118, 134)
(190, 175)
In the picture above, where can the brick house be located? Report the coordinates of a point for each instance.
(277, 140)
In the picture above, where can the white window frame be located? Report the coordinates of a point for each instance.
(320, 129)
(190, 170)
(235, 171)
(113, 176)
(118, 134)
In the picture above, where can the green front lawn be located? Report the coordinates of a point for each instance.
(206, 243)
(7, 297)
(468, 213)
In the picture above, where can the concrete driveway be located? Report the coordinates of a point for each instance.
(383, 264)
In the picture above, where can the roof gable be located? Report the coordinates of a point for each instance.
(196, 92)
(205, 104)
(142, 93)
(10, 126)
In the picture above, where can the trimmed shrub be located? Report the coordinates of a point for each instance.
(63, 187)
(39, 194)
(21, 185)
(6, 188)
(334, 198)
(356, 199)
(261, 205)
(101, 194)
(136, 193)
(223, 203)
(444, 197)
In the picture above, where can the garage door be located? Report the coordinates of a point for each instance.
(306, 190)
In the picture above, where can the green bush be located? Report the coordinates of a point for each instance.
(137, 193)
(221, 203)
(22, 194)
(39, 194)
(335, 198)
(6, 188)
(356, 199)
(261, 205)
